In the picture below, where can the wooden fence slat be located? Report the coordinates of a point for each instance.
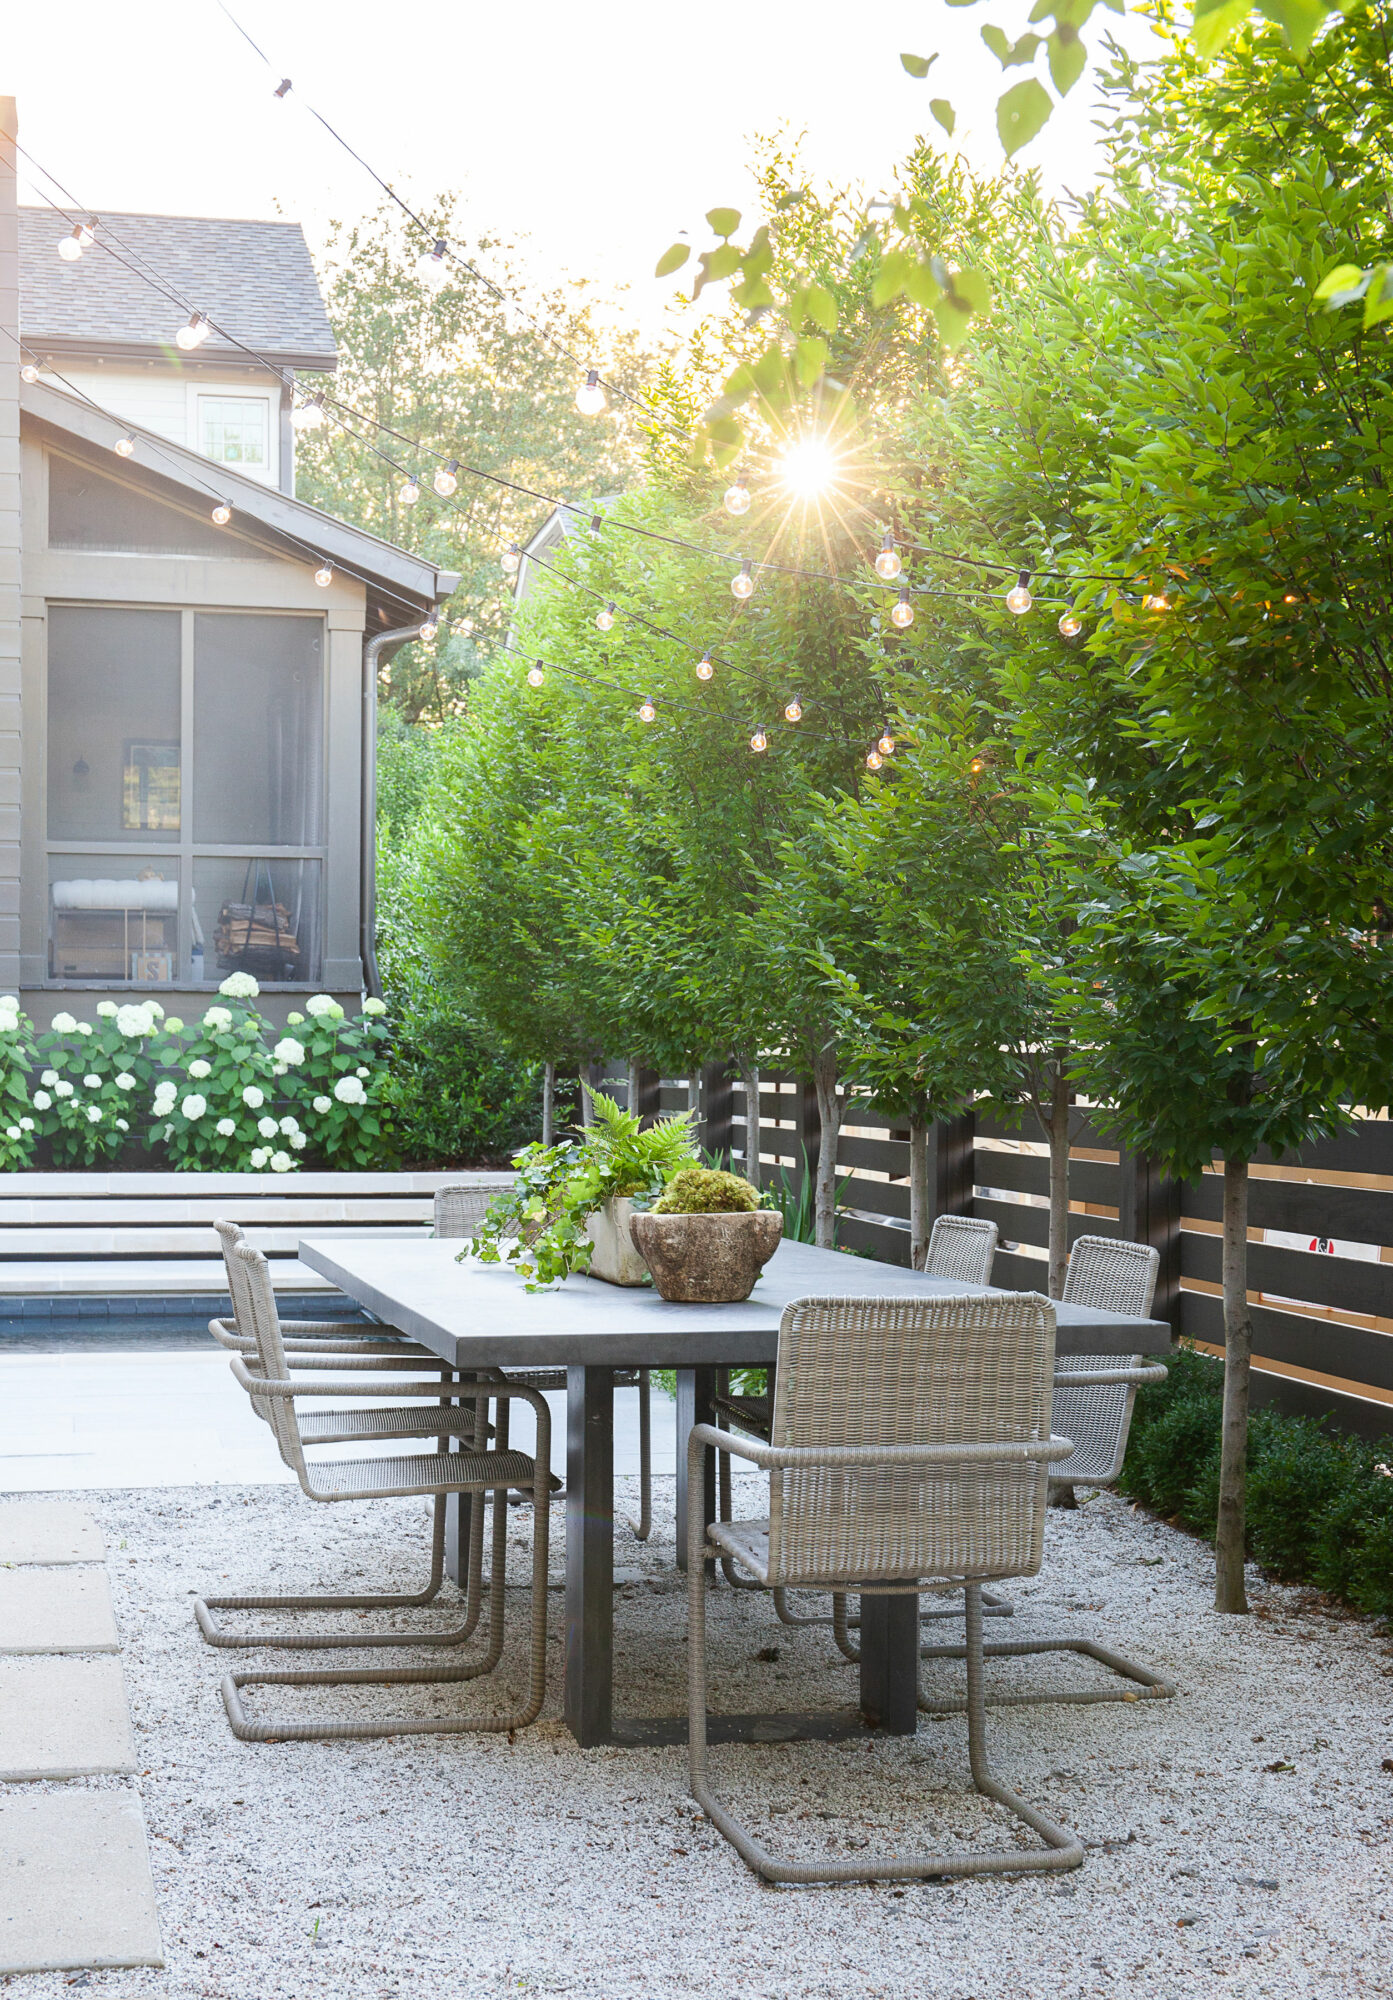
(1367, 1148)
(1029, 1173)
(877, 1197)
(1342, 1282)
(882, 1156)
(1019, 1223)
(1326, 1346)
(887, 1246)
(1306, 1208)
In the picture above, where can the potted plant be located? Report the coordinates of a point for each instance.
(571, 1206)
(707, 1237)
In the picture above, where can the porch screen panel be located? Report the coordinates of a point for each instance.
(113, 725)
(258, 730)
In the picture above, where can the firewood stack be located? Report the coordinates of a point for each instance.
(258, 938)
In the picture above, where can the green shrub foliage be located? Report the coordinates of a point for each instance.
(1320, 1505)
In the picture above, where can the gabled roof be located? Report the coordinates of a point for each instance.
(399, 585)
(254, 278)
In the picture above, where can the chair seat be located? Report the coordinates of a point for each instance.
(752, 1414)
(344, 1426)
(747, 1542)
(420, 1472)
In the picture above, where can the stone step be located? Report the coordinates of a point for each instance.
(120, 1185)
(143, 1277)
(75, 1886)
(49, 1531)
(63, 1718)
(188, 1240)
(56, 1611)
(105, 1211)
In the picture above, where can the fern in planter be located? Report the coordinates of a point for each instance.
(538, 1224)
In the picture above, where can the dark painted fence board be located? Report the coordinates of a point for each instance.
(1327, 1346)
(1307, 1208)
(1316, 1280)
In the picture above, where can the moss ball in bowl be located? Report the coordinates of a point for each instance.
(707, 1191)
(707, 1238)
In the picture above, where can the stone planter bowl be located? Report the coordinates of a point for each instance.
(707, 1259)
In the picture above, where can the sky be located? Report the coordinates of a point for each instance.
(594, 133)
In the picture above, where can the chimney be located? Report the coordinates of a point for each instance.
(9, 551)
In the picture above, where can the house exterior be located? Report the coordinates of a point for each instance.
(187, 702)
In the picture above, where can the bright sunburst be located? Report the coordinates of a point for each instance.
(808, 467)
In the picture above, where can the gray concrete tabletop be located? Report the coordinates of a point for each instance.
(477, 1315)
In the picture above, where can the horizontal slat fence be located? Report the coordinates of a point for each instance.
(1323, 1318)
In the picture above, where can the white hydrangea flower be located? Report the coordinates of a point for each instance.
(217, 1018)
(288, 1050)
(26, 1124)
(125, 1081)
(9, 1003)
(372, 1008)
(290, 1124)
(239, 986)
(42, 1100)
(198, 1069)
(253, 1097)
(173, 1025)
(349, 1090)
(94, 1114)
(295, 1020)
(281, 1163)
(92, 1082)
(84, 1027)
(226, 1128)
(134, 1022)
(260, 1157)
(62, 1088)
(164, 1099)
(193, 1107)
(363, 1070)
(13, 1132)
(154, 1010)
(267, 1127)
(278, 1069)
(297, 1140)
(9, 1024)
(123, 1125)
(49, 1078)
(64, 1024)
(106, 1009)
(323, 1104)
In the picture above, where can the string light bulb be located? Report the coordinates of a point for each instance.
(71, 247)
(793, 710)
(646, 710)
(743, 585)
(430, 625)
(194, 333)
(874, 760)
(902, 611)
(886, 745)
(605, 618)
(535, 676)
(409, 492)
(737, 497)
(29, 372)
(511, 559)
(1070, 625)
(431, 267)
(283, 88)
(86, 232)
(977, 766)
(446, 479)
(222, 514)
(309, 415)
(887, 563)
(324, 575)
(759, 741)
(590, 397)
(1018, 597)
(124, 446)
(705, 667)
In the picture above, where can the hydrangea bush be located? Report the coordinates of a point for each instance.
(333, 1072)
(19, 1131)
(93, 1080)
(214, 1101)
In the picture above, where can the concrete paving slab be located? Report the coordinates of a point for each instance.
(56, 1611)
(62, 1718)
(49, 1531)
(75, 1887)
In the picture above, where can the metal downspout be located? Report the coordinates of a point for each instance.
(373, 650)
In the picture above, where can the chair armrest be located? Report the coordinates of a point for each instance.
(1097, 1378)
(287, 1391)
(1037, 1450)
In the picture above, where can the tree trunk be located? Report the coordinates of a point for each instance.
(921, 1220)
(829, 1115)
(749, 1076)
(1058, 1131)
(631, 1089)
(586, 1077)
(1231, 1531)
(549, 1105)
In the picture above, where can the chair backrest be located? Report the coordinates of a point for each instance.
(1116, 1277)
(967, 1369)
(460, 1210)
(961, 1248)
(256, 1298)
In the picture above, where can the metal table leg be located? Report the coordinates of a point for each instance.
(696, 1390)
(590, 1554)
(890, 1663)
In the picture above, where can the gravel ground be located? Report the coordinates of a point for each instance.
(1239, 1837)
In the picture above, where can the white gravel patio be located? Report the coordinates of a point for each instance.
(1240, 1836)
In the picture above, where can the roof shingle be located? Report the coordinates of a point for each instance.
(254, 278)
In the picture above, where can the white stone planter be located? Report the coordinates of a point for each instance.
(614, 1258)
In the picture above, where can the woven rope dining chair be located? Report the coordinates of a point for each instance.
(475, 1470)
(910, 1447)
(459, 1212)
(1094, 1395)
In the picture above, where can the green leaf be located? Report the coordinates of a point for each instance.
(723, 221)
(944, 113)
(716, 264)
(1020, 114)
(953, 320)
(1214, 22)
(918, 65)
(1298, 20)
(1068, 60)
(1378, 301)
(974, 287)
(821, 308)
(810, 359)
(1010, 54)
(889, 282)
(1344, 278)
(672, 260)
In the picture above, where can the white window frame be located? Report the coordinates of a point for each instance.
(227, 392)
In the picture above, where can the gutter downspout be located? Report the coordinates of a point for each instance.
(373, 649)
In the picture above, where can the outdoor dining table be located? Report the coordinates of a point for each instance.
(480, 1316)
